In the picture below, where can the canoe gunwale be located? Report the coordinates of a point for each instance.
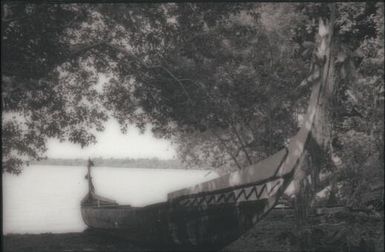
(236, 187)
(124, 206)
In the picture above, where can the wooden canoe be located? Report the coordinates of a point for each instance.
(208, 218)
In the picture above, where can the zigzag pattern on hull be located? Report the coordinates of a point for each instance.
(247, 193)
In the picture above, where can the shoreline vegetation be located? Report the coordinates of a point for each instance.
(152, 163)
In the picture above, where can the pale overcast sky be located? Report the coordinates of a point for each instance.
(112, 143)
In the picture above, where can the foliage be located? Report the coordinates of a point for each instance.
(359, 116)
(47, 90)
(213, 77)
(218, 79)
(358, 103)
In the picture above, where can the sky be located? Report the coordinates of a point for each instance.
(111, 143)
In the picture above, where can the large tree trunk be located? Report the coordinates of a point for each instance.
(318, 149)
(326, 51)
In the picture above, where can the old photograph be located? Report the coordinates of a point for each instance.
(192, 126)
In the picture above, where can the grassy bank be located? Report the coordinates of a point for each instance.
(342, 231)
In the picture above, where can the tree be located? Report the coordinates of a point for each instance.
(217, 79)
(212, 76)
(347, 142)
(46, 90)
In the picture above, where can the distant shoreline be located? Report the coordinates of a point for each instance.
(152, 163)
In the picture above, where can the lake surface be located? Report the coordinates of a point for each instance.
(47, 198)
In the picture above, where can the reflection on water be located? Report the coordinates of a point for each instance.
(47, 198)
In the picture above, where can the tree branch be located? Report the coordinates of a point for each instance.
(124, 51)
(227, 150)
(79, 49)
(242, 144)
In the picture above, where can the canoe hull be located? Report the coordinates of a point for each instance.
(166, 225)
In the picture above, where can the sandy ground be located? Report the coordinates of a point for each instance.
(277, 232)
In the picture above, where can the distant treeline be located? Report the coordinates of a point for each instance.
(118, 162)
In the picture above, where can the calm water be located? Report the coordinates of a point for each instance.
(47, 198)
